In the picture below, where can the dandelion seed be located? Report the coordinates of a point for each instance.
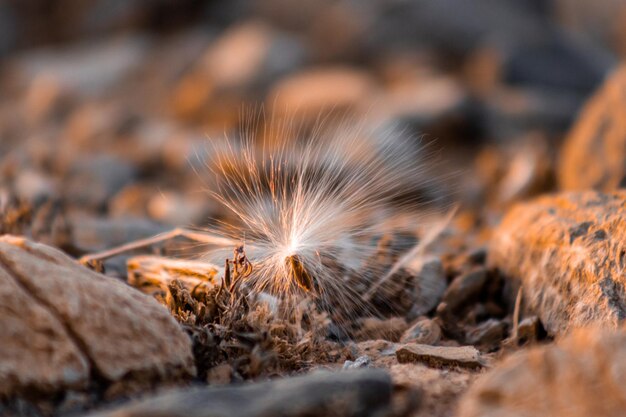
(313, 207)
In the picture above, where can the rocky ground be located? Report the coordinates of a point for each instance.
(516, 308)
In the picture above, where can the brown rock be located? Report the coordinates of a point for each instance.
(583, 375)
(594, 153)
(220, 375)
(321, 90)
(464, 288)
(36, 350)
(131, 201)
(425, 100)
(45, 98)
(440, 388)
(438, 356)
(373, 328)
(425, 331)
(247, 55)
(568, 254)
(122, 334)
(530, 330)
(34, 186)
(516, 170)
(91, 127)
(150, 273)
(176, 208)
(487, 334)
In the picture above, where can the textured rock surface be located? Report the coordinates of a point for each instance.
(568, 251)
(36, 349)
(594, 153)
(75, 324)
(352, 393)
(583, 375)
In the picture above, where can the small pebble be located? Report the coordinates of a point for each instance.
(425, 332)
(360, 362)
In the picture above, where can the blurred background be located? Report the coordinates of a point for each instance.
(104, 103)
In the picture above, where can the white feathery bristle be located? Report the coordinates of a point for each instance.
(326, 198)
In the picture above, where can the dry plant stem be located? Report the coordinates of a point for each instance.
(141, 243)
(513, 339)
(516, 314)
(241, 269)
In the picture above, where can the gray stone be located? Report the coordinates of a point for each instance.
(95, 180)
(97, 233)
(87, 68)
(360, 362)
(359, 393)
(431, 284)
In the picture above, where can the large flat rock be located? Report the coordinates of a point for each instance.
(568, 251)
(63, 325)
